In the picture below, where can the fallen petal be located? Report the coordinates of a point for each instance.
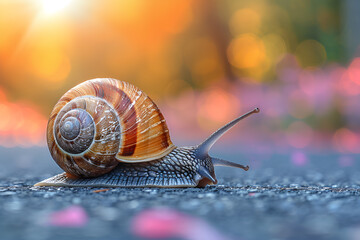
(167, 223)
(73, 216)
(157, 223)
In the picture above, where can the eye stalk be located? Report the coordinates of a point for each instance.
(202, 150)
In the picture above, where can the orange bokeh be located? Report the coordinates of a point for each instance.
(245, 20)
(246, 51)
(146, 24)
(216, 107)
(20, 124)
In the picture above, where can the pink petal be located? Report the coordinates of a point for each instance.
(167, 223)
(73, 216)
(299, 158)
(158, 223)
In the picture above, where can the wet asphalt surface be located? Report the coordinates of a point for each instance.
(275, 199)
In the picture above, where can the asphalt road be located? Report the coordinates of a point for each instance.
(282, 196)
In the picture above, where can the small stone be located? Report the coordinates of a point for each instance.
(107, 213)
(210, 195)
(334, 205)
(49, 194)
(76, 200)
(8, 193)
(133, 204)
(190, 205)
(14, 205)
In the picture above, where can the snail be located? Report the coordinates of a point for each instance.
(108, 133)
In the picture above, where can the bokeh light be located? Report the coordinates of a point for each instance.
(311, 53)
(20, 124)
(203, 63)
(346, 141)
(299, 134)
(245, 20)
(216, 107)
(53, 6)
(299, 158)
(354, 71)
(246, 51)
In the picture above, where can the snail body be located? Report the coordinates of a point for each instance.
(108, 133)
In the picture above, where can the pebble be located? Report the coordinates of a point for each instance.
(14, 205)
(190, 205)
(106, 213)
(76, 200)
(334, 205)
(210, 195)
(133, 204)
(7, 193)
(49, 194)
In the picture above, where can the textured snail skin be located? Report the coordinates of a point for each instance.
(177, 169)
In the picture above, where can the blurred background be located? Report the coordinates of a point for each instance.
(203, 62)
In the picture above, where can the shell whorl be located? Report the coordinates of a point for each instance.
(74, 130)
(103, 121)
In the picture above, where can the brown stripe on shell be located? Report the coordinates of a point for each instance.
(127, 115)
(52, 117)
(148, 146)
(99, 91)
(65, 99)
(165, 140)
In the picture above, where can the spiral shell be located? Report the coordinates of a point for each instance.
(103, 121)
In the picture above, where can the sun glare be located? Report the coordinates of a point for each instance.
(53, 6)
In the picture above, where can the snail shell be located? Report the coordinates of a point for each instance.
(102, 122)
(105, 132)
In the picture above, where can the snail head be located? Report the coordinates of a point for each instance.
(202, 151)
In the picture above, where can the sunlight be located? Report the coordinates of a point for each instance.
(53, 6)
